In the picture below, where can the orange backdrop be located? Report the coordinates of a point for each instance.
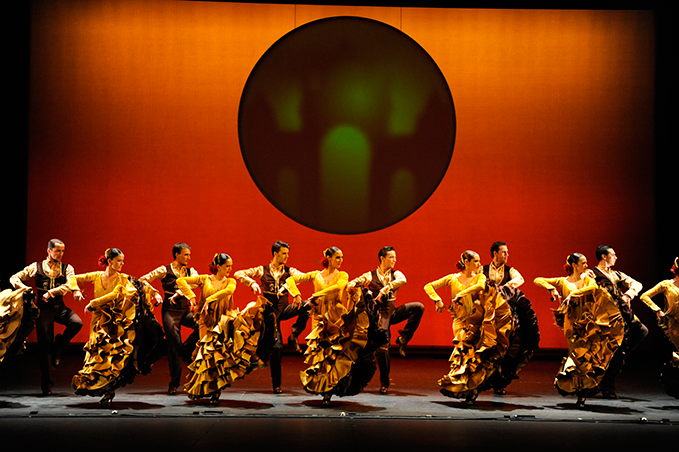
(134, 141)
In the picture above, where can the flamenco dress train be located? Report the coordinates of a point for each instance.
(17, 320)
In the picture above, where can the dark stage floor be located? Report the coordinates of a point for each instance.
(413, 414)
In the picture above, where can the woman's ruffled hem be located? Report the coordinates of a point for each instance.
(17, 320)
(226, 352)
(472, 364)
(339, 363)
(594, 329)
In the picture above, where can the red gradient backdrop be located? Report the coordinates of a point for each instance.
(134, 143)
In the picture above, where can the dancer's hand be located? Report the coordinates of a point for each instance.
(439, 306)
(556, 296)
(256, 289)
(78, 296)
(158, 298)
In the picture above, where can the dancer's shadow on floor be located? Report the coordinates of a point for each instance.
(594, 407)
(117, 406)
(229, 403)
(12, 405)
(487, 405)
(337, 405)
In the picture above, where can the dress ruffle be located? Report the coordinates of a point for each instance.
(669, 375)
(338, 364)
(17, 320)
(226, 352)
(594, 329)
(524, 339)
(482, 330)
(110, 346)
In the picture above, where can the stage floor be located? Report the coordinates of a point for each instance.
(250, 416)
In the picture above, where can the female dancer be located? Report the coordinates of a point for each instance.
(339, 331)
(228, 337)
(669, 323)
(17, 320)
(592, 325)
(482, 324)
(119, 299)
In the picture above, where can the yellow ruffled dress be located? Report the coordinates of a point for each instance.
(594, 329)
(229, 338)
(482, 327)
(339, 332)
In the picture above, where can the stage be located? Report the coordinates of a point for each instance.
(412, 414)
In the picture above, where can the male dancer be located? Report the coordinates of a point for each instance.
(176, 311)
(526, 333)
(51, 276)
(623, 289)
(272, 279)
(384, 282)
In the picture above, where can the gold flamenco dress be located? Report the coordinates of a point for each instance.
(594, 329)
(17, 320)
(669, 323)
(229, 337)
(110, 361)
(482, 328)
(339, 333)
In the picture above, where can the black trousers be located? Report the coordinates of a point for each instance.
(412, 312)
(270, 347)
(174, 317)
(53, 311)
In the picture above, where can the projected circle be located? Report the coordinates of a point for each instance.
(346, 125)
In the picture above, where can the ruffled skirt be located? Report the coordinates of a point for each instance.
(480, 341)
(226, 351)
(594, 329)
(339, 363)
(17, 320)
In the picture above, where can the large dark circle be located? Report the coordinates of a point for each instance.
(346, 125)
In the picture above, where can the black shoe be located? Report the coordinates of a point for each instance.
(46, 389)
(294, 343)
(214, 398)
(326, 399)
(277, 390)
(471, 398)
(56, 350)
(580, 403)
(172, 390)
(611, 395)
(500, 391)
(384, 390)
(107, 400)
(401, 346)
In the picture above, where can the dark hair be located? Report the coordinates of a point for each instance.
(570, 261)
(495, 248)
(384, 251)
(276, 247)
(328, 253)
(217, 261)
(54, 242)
(177, 249)
(110, 253)
(602, 251)
(465, 257)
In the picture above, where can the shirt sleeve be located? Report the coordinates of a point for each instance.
(634, 286)
(399, 280)
(184, 285)
(153, 275)
(249, 275)
(18, 279)
(293, 280)
(363, 280)
(430, 288)
(516, 278)
(474, 288)
(223, 293)
(341, 283)
(646, 297)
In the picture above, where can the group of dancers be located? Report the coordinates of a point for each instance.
(495, 330)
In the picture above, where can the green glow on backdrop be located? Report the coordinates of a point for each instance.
(345, 176)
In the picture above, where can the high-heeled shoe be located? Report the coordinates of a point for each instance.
(214, 398)
(581, 402)
(471, 398)
(107, 400)
(326, 399)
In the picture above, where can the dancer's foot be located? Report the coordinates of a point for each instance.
(293, 342)
(611, 395)
(107, 400)
(56, 350)
(277, 390)
(500, 391)
(581, 402)
(172, 390)
(401, 346)
(214, 398)
(326, 399)
(471, 398)
(384, 390)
